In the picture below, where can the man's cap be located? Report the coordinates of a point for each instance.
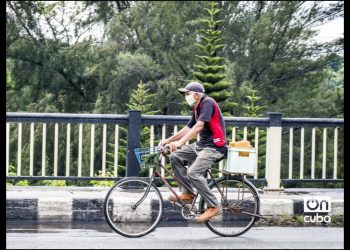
(192, 86)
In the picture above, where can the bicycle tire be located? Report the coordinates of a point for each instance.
(126, 220)
(232, 222)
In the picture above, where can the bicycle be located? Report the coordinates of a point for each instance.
(134, 206)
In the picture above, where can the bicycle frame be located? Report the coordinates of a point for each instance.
(236, 196)
(164, 181)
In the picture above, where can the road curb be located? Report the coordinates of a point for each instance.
(74, 204)
(91, 209)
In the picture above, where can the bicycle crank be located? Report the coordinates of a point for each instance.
(188, 212)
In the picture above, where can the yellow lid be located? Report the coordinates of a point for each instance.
(240, 144)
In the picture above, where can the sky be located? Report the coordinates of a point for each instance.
(327, 32)
(331, 30)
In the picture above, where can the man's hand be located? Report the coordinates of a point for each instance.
(164, 142)
(174, 145)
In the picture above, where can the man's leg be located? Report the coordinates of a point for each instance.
(203, 162)
(179, 160)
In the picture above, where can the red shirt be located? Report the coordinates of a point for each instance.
(214, 132)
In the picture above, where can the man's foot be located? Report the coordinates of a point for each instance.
(183, 197)
(208, 214)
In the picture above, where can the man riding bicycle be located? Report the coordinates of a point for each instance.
(207, 120)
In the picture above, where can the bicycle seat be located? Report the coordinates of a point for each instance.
(222, 158)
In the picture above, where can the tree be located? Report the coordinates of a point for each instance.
(87, 57)
(165, 34)
(267, 45)
(253, 109)
(118, 75)
(139, 100)
(271, 46)
(48, 56)
(161, 31)
(211, 70)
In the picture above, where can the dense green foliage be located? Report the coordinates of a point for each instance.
(210, 72)
(89, 57)
(91, 60)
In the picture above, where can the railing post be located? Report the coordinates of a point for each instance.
(273, 149)
(133, 141)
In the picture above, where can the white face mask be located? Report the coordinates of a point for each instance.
(190, 100)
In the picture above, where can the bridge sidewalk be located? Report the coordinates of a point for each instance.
(67, 204)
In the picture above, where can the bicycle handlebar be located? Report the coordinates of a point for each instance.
(165, 149)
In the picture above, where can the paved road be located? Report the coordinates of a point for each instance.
(194, 237)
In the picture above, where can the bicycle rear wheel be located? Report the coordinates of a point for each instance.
(131, 210)
(242, 203)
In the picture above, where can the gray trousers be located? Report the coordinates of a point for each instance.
(199, 162)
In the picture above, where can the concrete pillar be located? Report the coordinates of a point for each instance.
(273, 152)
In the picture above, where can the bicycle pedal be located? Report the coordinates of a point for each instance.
(177, 204)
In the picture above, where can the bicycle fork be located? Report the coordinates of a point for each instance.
(144, 195)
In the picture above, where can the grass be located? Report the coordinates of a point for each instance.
(298, 221)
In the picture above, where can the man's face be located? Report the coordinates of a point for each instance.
(194, 94)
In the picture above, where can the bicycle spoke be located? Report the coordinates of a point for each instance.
(130, 211)
(239, 210)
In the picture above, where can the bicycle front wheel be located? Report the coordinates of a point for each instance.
(133, 207)
(239, 202)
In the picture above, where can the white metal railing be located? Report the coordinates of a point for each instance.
(80, 146)
(68, 150)
(313, 152)
(110, 134)
(57, 150)
(43, 159)
(232, 138)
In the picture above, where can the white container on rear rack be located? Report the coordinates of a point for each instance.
(240, 161)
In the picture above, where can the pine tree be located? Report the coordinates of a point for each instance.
(254, 110)
(139, 100)
(211, 71)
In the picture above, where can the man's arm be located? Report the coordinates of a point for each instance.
(176, 137)
(192, 132)
(188, 136)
